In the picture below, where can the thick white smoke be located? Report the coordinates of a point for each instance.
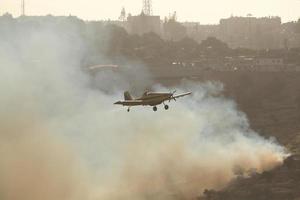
(60, 139)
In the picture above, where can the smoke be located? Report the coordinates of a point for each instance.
(194, 146)
(35, 165)
(62, 139)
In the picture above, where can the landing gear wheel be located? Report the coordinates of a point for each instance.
(128, 109)
(154, 108)
(166, 107)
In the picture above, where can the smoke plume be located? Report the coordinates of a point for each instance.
(62, 139)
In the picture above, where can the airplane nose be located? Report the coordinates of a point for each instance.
(118, 102)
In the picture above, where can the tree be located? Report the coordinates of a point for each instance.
(187, 49)
(174, 30)
(213, 46)
(117, 40)
(298, 26)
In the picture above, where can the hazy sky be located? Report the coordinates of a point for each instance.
(204, 11)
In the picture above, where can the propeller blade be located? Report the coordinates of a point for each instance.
(172, 97)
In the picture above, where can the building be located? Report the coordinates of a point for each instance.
(269, 61)
(200, 32)
(142, 24)
(252, 32)
(238, 32)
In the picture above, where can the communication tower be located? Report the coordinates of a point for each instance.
(147, 7)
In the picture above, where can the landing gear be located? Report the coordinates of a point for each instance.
(128, 110)
(166, 107)
(154, 108)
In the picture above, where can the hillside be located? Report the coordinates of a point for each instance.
(280, 183)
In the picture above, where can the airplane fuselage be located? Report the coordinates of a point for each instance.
(153, 99)
(149, 99)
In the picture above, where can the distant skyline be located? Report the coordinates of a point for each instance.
(203, 11)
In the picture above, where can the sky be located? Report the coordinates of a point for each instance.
(203, 11)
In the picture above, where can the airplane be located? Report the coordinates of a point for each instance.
(149, 99)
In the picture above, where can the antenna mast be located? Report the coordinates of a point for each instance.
(23, 8)
(123, 15)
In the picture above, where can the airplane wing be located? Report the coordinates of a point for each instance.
(130, 103)
(181, 95)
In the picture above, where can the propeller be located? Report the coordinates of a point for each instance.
(172, 96)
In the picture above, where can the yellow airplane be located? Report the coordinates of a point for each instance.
(150, 99)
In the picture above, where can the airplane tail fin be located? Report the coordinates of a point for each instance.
(127, 96)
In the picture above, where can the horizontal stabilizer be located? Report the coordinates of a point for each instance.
(130, 102)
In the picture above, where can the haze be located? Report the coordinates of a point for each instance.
(206, 12)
